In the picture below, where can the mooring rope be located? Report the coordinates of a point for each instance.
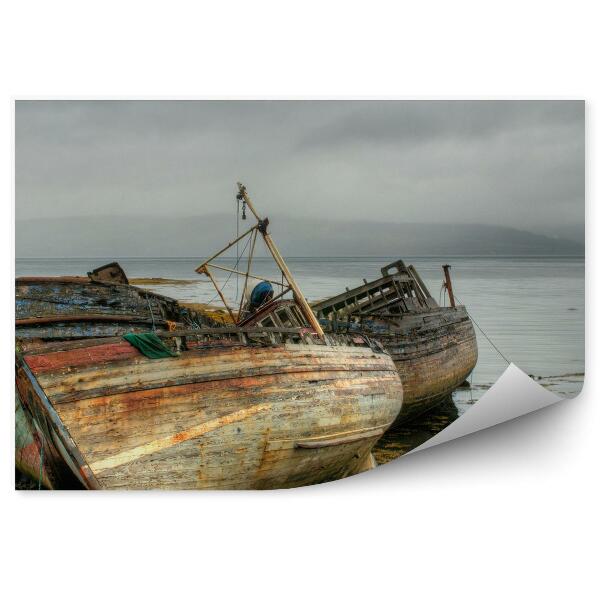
(483, 332)
(471, 385)
(443, 289)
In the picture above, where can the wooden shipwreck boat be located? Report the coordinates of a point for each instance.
(270, 402)
(433, 347)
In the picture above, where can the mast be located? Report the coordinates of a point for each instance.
(298, 295)
(448, 284)
(260, 227)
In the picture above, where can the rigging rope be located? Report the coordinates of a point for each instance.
(230, 274)
(151, 313)
(237, 249)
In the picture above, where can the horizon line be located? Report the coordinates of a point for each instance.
(370, 256)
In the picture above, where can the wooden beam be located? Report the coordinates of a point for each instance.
(200, 269)
(207, 272)
(241, 273)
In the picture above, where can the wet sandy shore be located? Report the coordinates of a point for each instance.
(401, 439)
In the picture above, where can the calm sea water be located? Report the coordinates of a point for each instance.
(531, 308)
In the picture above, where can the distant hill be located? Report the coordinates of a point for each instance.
(199, 236)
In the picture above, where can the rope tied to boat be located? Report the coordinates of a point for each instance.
(443, 289)
(508, 362)
(471, 386)
(151, 313)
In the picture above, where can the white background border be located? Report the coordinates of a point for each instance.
(510, 512)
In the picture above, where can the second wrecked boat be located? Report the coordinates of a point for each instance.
(434, 347)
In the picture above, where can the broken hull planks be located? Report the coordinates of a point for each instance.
(434, 354)
(238, 418)
(76, 307)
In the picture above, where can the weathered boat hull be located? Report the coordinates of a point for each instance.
(433, 347)
(434, 354)
(218, 418)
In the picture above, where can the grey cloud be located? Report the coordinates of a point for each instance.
(516, 164)
(420, 121)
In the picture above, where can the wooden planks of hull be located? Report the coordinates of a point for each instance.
(432, 365)
(235, 418)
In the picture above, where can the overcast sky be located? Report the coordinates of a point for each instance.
(519, 164)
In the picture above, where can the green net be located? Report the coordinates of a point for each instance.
(149, 344)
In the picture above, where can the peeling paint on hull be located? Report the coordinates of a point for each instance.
(219, 418)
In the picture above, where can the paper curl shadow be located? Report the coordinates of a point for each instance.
(513, 395)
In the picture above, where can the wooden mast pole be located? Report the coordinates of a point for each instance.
(449, 284)
(298, 296)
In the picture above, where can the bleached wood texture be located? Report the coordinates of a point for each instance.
(239, 417)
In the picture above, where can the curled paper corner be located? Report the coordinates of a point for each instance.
(514, 394)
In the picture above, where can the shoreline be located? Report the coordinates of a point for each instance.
(162, 281)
